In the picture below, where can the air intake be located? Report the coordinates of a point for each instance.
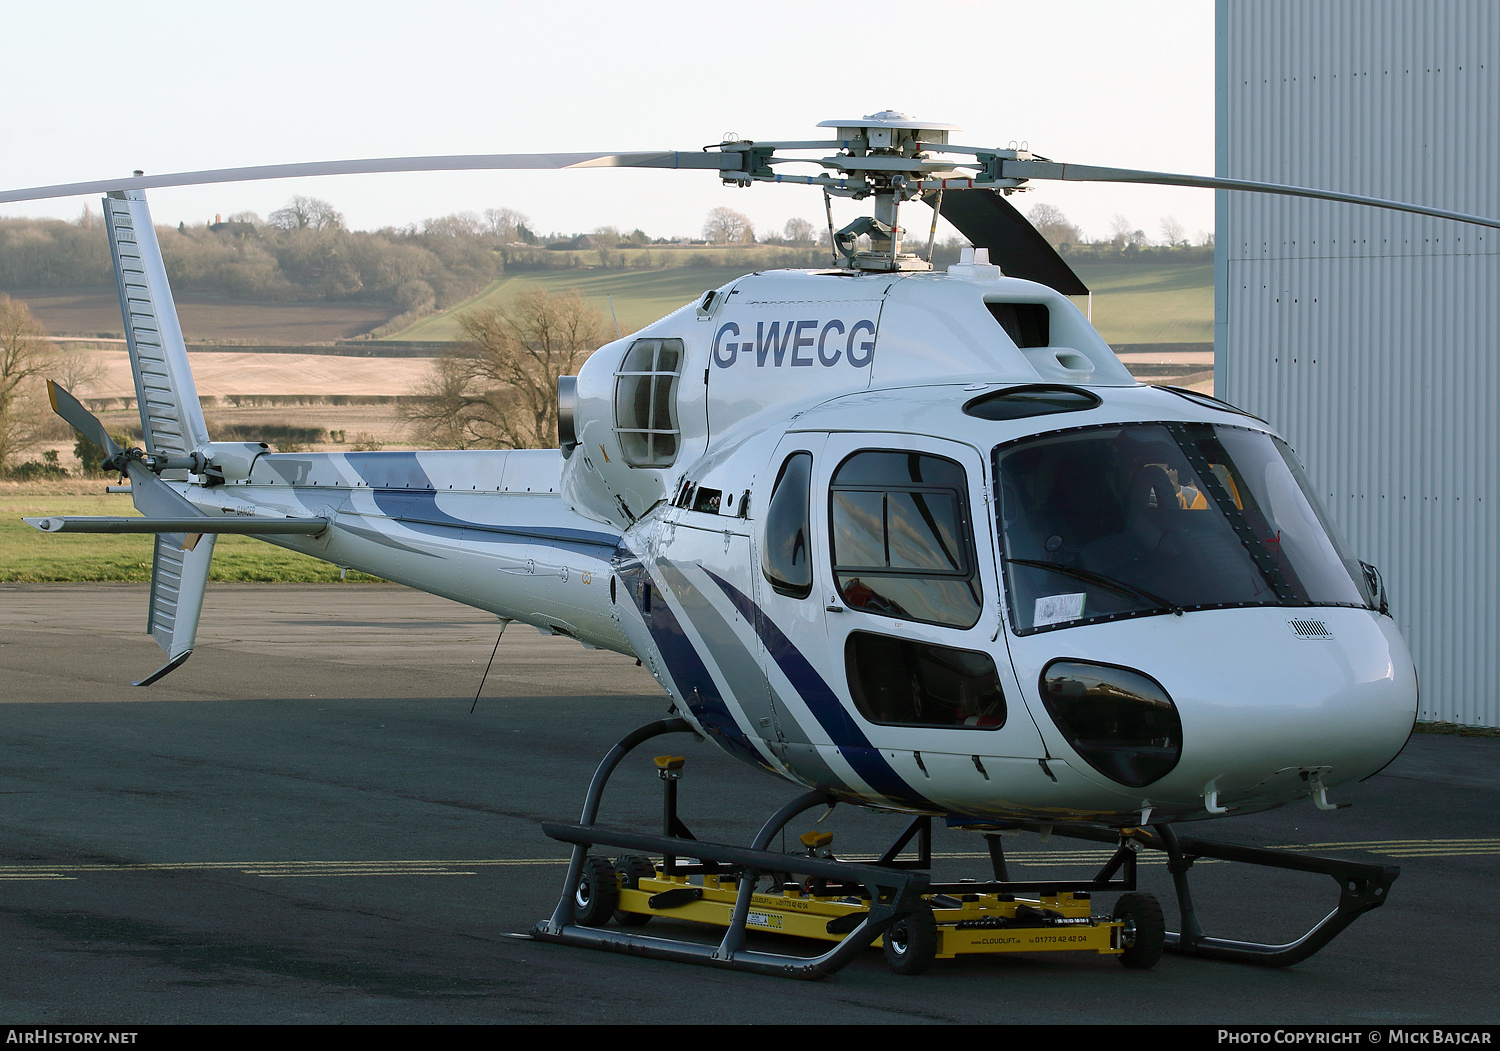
(1310, 629)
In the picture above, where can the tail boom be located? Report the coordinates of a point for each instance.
(488, 529)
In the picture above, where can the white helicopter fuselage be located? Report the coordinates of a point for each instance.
(909, 650)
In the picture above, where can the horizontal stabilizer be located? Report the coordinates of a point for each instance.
(251, 525)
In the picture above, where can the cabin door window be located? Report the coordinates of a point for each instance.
(900, 537)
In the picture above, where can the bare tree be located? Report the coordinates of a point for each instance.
(446, 414)
(799, 231)
(498, 389)
(26, 359)
(307, 213)
(727, 226)
(503, 223)
(1122, 235)
(1172, 231)
(1052, 224)
(605, 239)
(459, 224)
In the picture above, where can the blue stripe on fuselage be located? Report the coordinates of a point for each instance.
(403, 491)
(396, 470)
(689, 673)
(419, 511)
(842, 730)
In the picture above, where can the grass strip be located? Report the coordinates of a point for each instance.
(28, 556)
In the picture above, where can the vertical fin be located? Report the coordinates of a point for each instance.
(171, 417)
(171, 423)
(179, 578)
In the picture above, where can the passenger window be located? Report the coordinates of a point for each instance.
(900, 682)
(785, 559)
(901, 542)
(646, 402)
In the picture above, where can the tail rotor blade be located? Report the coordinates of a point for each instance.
(152, 496)
(84, 422)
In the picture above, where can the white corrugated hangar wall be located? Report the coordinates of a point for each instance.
(1371, 339)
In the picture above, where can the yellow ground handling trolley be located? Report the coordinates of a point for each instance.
(889, 901)
(959, 920)
(619, 880)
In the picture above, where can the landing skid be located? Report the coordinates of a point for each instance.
(1361, 888)
(891, 900)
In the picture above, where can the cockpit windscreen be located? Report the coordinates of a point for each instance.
(1136, 519)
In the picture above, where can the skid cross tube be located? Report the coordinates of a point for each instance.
(1362, 887)
(921, 829)
(892, 894)
(563, 913)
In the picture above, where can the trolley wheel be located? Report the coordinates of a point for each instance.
(632, 869)
(1145, 930)
(911, 942)
(597, 893)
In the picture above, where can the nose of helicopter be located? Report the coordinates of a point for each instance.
(1235, 709)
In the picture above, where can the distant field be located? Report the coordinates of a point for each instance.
(96, 312)
(226, 374)
(29, 556)
(640, 296)
(1133, 303)
(1151, 304)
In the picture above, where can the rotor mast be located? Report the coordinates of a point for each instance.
(888, 156)
(885, 156)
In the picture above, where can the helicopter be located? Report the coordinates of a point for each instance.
(911, 540)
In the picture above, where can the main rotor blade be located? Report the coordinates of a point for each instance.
(729, 159)
(989, 221)
(84, 422)
(1092, 173)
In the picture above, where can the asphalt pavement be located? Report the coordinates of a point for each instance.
(306, 823)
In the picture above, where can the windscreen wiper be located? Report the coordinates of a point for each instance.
(1090, 577)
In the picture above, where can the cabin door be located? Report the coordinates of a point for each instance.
(908, 590)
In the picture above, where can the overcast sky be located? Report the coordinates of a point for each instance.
(96, 89)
